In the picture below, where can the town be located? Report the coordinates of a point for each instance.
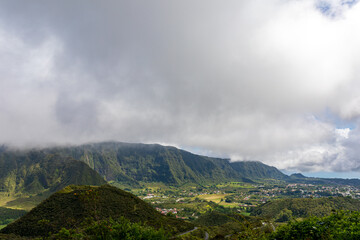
(189, 202)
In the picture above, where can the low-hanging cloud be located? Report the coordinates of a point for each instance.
(243, 79)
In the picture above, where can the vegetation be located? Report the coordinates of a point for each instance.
(136, 163)
(286, 209)
(26, 178)
(212, 194)
(340, 225)
(74, 205)
(220, 224)
(110, 229)
(8, 215)
(258, 170)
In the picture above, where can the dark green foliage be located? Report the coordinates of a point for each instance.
(340, 225)
(8, 215)
(73, 205)
(12, 237)
(110, 229)
(235, 225)
(305, 207)
(284, 216)
(215, 218)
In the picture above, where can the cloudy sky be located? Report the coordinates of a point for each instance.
(275, 80)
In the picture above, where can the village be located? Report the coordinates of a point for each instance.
(190, 202)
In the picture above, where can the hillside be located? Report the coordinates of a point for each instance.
(258, 170)
(299, 178)
(134, 163)
(74, 205)
(30, 176)
(338, 225)
(305, 207)
(7, 215)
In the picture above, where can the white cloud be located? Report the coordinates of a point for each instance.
(237, 78)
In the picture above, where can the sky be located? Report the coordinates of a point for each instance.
(274, 81)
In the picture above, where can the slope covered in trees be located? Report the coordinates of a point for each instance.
(77, 205)
(339, 225)
(285, 209)
(8, 215)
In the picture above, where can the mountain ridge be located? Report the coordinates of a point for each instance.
(156, 163)
(135, 163)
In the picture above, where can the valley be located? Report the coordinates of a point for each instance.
(189, 202)
(186, 195)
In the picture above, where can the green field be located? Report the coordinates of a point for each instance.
(230, 205)
(235, 185)
(216, 198)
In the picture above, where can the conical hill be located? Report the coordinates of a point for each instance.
(72, 206)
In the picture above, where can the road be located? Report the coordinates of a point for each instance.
(195, 228)
(185, 232)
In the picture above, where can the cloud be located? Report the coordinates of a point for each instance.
(239, 79)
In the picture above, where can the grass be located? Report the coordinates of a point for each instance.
(4, 200)
(245, 213)
(25, 203)
(235, 185)
(2, 226)
(216, 198)
(231, 205)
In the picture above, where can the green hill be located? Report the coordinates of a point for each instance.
(234, 225)
(74, 205)
(339, 225)
(305, 207)
(31, 176)
(258, 170)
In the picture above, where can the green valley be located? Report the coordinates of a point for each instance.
(158, 192)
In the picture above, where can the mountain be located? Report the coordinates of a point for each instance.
(75, 206)
(299, 178)
(136, 163)
(30, 176)
(258, 170)
(131, 164)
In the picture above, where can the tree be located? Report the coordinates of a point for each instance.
(284, 216)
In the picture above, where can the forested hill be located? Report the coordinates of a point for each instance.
(258, 170)
(133, 163)
(284, 209)
(77, 206)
